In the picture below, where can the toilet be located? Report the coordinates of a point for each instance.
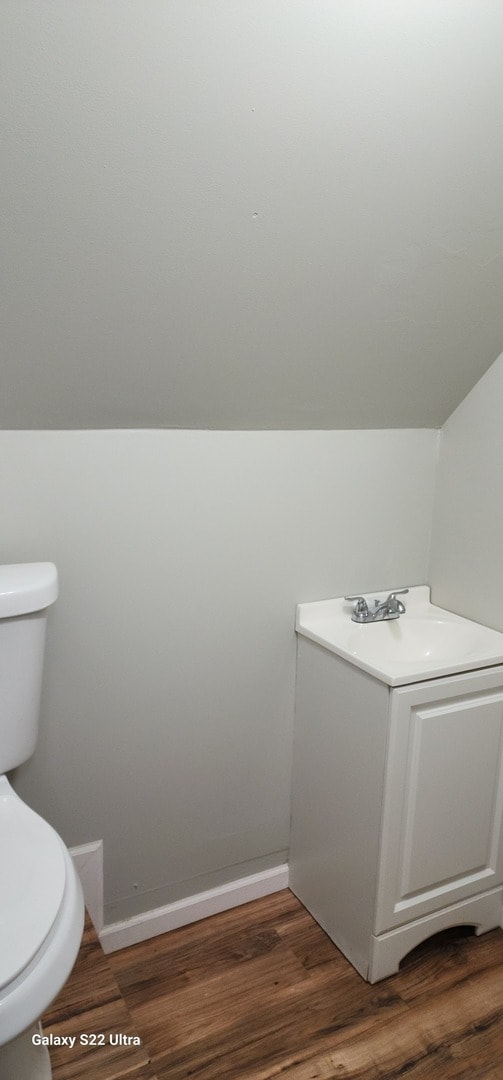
(41, 904)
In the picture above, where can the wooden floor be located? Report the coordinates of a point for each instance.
(91, 1004)
(261, 992)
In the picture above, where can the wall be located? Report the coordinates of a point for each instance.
(249, 213)
(467, 540)
(167, 712)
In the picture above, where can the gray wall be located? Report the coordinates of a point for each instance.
(466, 570)
(249, 213)
(254, 215)
(167, 713)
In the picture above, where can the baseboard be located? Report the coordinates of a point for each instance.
(193, 908)
(88, 862)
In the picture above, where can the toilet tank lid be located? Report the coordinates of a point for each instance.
(26, 587)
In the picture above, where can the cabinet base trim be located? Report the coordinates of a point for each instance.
(387, 950)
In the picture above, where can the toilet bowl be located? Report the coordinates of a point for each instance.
(41, 903)
(41, 915)
(41, 920)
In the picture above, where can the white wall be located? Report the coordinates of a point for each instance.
(168, 702)
(249, 213)
(466, 570)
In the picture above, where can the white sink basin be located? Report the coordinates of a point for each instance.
(425, 643)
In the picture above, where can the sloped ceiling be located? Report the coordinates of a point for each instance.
(249, 213)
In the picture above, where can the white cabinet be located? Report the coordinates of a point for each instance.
(397, 806)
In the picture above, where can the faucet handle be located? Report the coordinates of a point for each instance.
(360, 603)
(397, 604)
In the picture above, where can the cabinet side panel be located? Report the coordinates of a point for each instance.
(339, 762)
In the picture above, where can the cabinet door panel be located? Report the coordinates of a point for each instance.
(443, 802)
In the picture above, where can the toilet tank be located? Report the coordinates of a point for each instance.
(26, 591)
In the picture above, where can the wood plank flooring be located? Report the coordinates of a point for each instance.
(91, 1004)
(260, 992)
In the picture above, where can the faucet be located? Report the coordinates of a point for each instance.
(383, 610)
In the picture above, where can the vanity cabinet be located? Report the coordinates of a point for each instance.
(397, 806)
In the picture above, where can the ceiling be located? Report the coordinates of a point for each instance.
(276, 214)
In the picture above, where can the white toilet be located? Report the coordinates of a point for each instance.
(41, 905)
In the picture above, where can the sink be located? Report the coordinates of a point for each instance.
(426, 642)
(415, 640)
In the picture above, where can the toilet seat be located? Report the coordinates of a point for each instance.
(33, 882)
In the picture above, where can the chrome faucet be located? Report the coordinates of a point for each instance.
(383, 610)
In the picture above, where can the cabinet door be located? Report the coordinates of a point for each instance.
(441, 832)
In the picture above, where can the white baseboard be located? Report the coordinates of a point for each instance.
(199, 906)
(88, 862)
